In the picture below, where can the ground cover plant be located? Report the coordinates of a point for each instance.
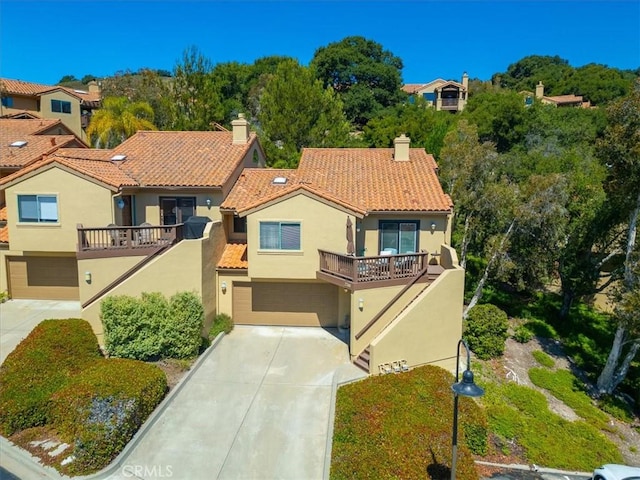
(399, 426)
(57, 385)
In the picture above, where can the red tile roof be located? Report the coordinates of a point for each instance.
(157, 159)
(182, 159)
(33, 150)
(364, 179)
(234, 256)
(3, 213)
(4, 234)
(20, 87)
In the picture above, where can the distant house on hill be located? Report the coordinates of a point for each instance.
(558, 100)
(442, 94)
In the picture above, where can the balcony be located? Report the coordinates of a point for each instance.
(449, 104)
(118, 241)
(357, 273)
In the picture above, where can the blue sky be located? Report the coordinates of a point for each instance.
(40, 41)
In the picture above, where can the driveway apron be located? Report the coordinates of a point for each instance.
(258, 407)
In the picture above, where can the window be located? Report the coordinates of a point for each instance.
(239, 224)
(60, 106)
(38, 208)
(7, 102)
(401, 236)
(174, 210)
(279, 236)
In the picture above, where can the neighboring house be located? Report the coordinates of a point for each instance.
(72, 107)
(557, 101)
(442, 94)
(353, 238)
(24, 141)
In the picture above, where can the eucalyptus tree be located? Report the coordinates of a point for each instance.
(619, 149)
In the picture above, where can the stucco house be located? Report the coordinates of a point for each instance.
(72, 107)
(354, 238)
(442, 94)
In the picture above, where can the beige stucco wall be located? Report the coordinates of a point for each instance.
(147, 204)
(322, 227)
(4, 273)
(79, 201)
(427, 331)
(103, 271)
(20, 104)
(225, 298)
(428, 240)
(182, 268)
(71, 120)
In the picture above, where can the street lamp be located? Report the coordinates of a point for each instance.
(466, 388)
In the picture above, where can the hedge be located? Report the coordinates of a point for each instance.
(41, 364)
(153, 327)
(100, 409)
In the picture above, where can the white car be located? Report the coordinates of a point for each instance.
(616, 472)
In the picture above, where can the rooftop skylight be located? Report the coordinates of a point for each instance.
(279, 181)
(118, 158)
(18, 143)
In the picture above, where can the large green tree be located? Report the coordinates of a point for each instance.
(527, 72)
(196, 98)
(296, 111)
(365, 75)
(117, 120)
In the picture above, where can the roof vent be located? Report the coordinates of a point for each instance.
(118, 158)
(18, 143)
(279, 181)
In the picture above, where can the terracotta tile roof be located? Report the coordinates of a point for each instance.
(3, 213)
(560, 99)
(361, 179)
(371, 179)
(411, 88)
(93, 163)
(34, 149)
(20, 87)
(234, 256)
(28, 126)
(4, 234)
(182, 159)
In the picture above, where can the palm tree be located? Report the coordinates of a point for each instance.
(117, 120)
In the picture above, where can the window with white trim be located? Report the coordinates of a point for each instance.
(38, 208)
(279, 236)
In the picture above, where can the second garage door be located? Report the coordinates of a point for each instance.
(44, 278)
(292, 304)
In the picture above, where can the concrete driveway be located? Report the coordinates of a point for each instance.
(258, 406)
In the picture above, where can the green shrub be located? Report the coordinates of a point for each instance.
(541, 329)
(522, 334)
(40, 365)
(127, 330)
(101, 408)
(222, 323)
(486, 331)
(182, 329)
(153, 327)
(616, 407)
(543, 359)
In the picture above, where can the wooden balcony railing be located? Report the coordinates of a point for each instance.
(357, 271)
(118, 241)
(449, 102)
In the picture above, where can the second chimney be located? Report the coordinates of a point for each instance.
(240, 130)
(539, 90)
(401, 148)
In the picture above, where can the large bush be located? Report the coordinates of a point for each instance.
(41, 364)
(152, 327)
(486, 331)
(100, 409)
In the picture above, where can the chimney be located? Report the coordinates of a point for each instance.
(94, 87)
(539, 90)
(240, 130)
(465, 81)
(401, 148)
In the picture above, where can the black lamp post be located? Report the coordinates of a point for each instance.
(466, 388)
